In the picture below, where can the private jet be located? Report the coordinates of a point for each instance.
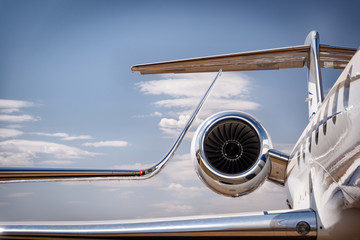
(233, 155)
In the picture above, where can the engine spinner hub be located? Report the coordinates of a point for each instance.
(232, 150)
(231, 146)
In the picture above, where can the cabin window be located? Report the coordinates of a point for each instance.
(317, 128)
(334, 119)
(325, 117)
(310, 138)
(298, 158)
(317, 136)
(303, 155)
(335, 103)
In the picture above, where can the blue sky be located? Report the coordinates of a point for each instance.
(69, 98)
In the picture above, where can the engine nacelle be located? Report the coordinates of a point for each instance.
(230, 150)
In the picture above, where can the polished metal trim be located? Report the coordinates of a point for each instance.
(231, 184)
(290, 223)
(279, 162)
(12, 175)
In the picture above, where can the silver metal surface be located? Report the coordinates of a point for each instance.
(315, 88)
(12, 175)
(279, 162)
(263, 224)
(231, 184)
(324, 168)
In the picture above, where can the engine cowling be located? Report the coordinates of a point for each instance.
(230, 151)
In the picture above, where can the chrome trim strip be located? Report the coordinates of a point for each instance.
(13, 175)
(300, 223)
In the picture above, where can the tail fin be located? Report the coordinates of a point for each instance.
(315, 88)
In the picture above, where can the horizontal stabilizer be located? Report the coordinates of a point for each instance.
(289, 57)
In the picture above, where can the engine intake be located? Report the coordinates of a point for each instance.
(231, 153)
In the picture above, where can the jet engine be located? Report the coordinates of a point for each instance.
(230, 151)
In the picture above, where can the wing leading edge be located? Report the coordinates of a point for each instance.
(289, 57)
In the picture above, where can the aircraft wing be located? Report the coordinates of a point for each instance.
(270, 225)
(289, 57)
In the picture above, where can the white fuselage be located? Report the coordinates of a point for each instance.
(324, 167)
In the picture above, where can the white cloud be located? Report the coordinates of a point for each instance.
(174, 133)
(177, 190)
(7, 107)
(176, 187)
(61, 135)
(65, 136)
(12, 158)
(23, 152)
(6, 133)
(56, 162)
(194, 85)
(214, 104)
(186, 90)
(181, 188)
(80, 137)
(178, 123)
(181, 169)
(154, 114)
(178, 209)
(133, 166)
(9, 110)
(14, 104)
(178, 102)
(172, 127)
(17, 118)
(173, 123)
(107, 144)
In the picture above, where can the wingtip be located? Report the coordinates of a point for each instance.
(133, 68)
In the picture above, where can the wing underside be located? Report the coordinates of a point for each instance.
(289, 57)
